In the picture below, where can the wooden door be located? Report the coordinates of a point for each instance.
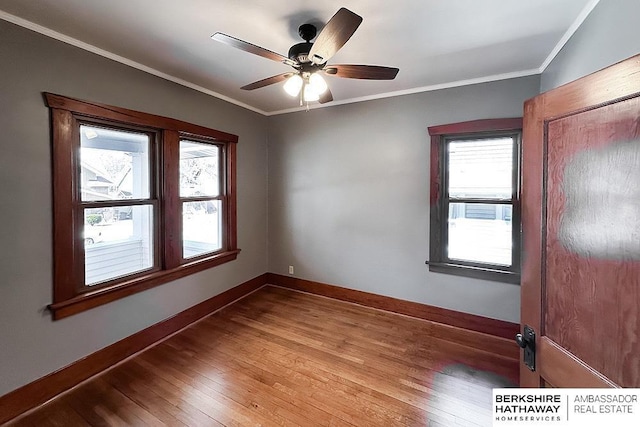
(581, 231)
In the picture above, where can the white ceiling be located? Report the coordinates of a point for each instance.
(434, 43)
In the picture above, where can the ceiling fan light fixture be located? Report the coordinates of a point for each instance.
(293, 85)
(310, 93)
(317, 82)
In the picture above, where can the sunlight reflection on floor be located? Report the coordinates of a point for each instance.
(461, 395)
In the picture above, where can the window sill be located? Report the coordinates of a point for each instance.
(95, 298)
(475, 272)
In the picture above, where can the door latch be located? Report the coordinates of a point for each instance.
(527, 341)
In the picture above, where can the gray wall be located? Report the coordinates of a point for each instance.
(31, 345)
(348, 189)
(610, 34)
(349, 195)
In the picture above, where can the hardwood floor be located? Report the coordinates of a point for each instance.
(280, 357)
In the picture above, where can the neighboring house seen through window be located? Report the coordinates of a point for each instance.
(475, 199)
(139, 200)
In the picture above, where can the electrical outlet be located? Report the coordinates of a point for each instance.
(291, 269)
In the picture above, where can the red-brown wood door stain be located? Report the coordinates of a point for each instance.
(581, 216)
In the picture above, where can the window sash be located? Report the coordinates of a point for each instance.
(221, 165)
(467, 155)
(108, 137)
(513, 267)
(117, 248)
(221, 234)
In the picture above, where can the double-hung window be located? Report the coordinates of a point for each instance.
(118, 201)
(475, 199)
(139, 200)
(201, 197)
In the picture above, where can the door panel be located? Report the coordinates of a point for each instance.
(562, 367)
(592, 275)
(581, 224)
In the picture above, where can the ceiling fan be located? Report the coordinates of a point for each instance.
(310, 59)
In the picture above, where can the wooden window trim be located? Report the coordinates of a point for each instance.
(66, 113)
(437, 260)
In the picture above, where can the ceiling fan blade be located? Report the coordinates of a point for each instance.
(252, 48)
(334, 35)
(370, 72)
(268, 81)
(326, 97)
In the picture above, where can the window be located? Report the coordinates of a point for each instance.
(119, 208)
(139, 200)
(475, 199)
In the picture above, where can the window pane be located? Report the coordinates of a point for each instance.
(481, 168)
(114, 164)
(201, 227)
(480, 233)
(117, 241)
(199, 169)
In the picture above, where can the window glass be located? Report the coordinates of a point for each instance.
(202, 222)
(118, 241)
(114, 164)
(481, 169)
(199, 168)
(480, 232)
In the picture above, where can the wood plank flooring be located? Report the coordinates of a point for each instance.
(285, 358)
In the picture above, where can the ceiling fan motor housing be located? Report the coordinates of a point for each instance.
(300, 52)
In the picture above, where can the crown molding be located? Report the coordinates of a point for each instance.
(104, 53)
(496, 77)
(567, 35)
